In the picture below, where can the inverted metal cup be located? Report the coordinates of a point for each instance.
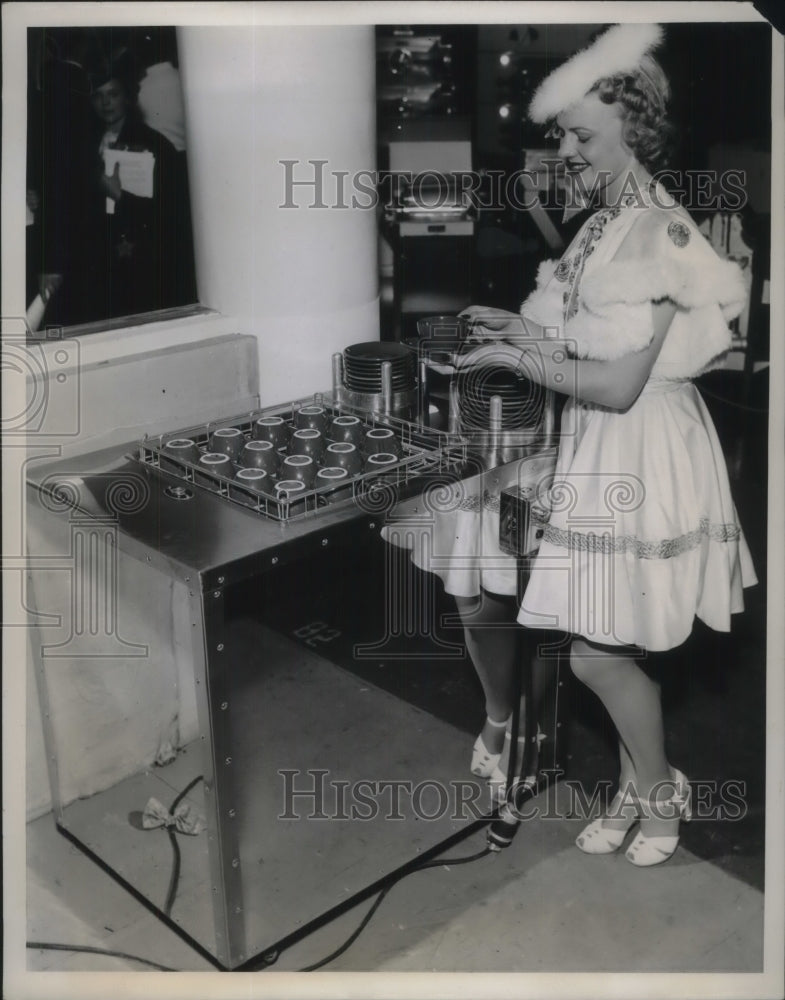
(345, 455)
(182, 448)
(214, 461)
(312, 416)
(338, 480)
(260, 455)
(300, 467)
(332, 475)
(347, 428)
(289, 489)
(381, 440)
(273, 429)
(307, 441)
(227, 440)
(380, 462)
(259, 479)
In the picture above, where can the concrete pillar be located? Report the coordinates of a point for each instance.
(303, 279)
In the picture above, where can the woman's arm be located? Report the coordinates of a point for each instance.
(615, 384)
(490, 323)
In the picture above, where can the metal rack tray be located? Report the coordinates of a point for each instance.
(424, 452)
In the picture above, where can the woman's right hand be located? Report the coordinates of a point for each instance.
(488, 324)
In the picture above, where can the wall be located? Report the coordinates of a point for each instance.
(110, 710)
(303, 280)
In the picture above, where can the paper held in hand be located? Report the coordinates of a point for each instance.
(136, 172)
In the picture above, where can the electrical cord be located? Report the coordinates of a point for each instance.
(50, 946)
(174, 880)
(350, 940)
(500, 832)
(272, 957)
(377, 903)
(171, 895)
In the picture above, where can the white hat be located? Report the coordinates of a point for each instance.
(618, 50)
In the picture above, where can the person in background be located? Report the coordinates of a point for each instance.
(137, 240)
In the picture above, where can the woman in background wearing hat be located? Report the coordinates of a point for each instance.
(642, 534)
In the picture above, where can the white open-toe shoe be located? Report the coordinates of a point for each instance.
(483, 761)
(598, 839)
(644, 852)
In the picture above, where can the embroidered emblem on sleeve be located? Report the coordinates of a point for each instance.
(679, 234)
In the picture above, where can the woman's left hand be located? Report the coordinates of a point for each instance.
(489, 323)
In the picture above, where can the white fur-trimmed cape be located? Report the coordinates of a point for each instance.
(614, 315)
(618, 50)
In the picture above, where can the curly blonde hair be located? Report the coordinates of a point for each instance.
(643, 95)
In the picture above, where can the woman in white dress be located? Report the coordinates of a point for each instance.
(642, 535)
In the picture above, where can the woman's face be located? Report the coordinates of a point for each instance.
(592, 145)
(110, 102)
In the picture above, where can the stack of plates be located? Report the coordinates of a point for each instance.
(362, 367)
(522, 400)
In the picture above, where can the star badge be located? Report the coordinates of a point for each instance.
(125, 248)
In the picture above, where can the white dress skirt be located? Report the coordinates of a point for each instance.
(643, 534)
(453, 532)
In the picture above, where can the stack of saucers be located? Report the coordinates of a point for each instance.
(362, 367)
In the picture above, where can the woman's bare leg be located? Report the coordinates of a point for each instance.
(492, 635)
(633, 702)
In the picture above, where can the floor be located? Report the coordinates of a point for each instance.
(532, 908)
(540, 906)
